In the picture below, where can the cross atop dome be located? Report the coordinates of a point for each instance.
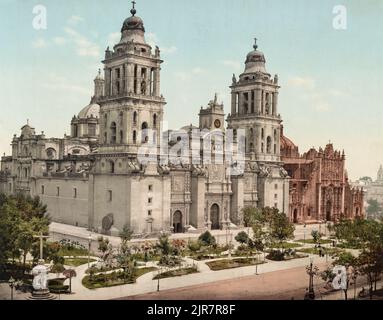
(255, 44)
(133, 11)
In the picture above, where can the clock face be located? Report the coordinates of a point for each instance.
(217, 123)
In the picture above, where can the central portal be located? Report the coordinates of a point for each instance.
(214, 217)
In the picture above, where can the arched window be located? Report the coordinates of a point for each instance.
(275, 149)
(275, 134)
(134, 118)
(113, 132)
(155, 120)
(134, 137)
(251, 147)
(105, 137)
(262, 147)
(121, 118)
(268, 147)
(262, 133)
(105, 120)
(144, 133)
(111, 167)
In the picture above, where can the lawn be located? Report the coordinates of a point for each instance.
(311, 241)
(72, 252)
(75, 262)
(113, 279)
(232, 263)
(330, 251)
(285, 245)
(176, 273)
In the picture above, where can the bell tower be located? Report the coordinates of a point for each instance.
(254, 107)
(132, 104)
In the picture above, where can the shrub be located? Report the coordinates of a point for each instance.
(207, 239)
(57, 268)
(276, 255)
(242, 237)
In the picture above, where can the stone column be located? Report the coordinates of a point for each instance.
(157, 82)
(240, 103)
(111, 82)
(258, 100)
(233, 103)
(275, 103)
(130, 78)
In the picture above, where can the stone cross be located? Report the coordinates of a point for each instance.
(41, 237)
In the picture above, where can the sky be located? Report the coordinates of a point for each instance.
(331, 79)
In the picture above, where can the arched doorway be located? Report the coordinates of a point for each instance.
(328, 210)
(214, 217)
(177, 222)
(295, 216)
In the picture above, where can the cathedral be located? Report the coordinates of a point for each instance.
(115, 168)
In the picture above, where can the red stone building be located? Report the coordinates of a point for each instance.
(319, 186)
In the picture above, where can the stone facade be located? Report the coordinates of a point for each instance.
(319, 186)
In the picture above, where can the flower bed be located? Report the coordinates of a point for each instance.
(232, 263)
(113, 279)
(176, 273)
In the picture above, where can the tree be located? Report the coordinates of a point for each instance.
(126, 234)
(368, 236)
(21, 217)
(366, 180)
(207, 239)
(316, 236)
(350, 262)
(374, 209)
(260, 238)
(250, 215)
(164, 245)
(281, 229)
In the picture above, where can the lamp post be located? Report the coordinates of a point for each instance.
(89, 247)
(11, 283)
(158, 282)
(311, 271)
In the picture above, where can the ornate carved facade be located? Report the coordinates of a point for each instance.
(319, 186)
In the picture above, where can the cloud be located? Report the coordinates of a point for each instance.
(168, 50)
(74, 20)
(300, 82)
(84, 47)
(60, 83)
(39, 43)
(198, 70)
(232, 64)
(59, 41)
(319, 99)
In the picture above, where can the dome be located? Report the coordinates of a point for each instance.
(255, 61)
(133, 23)
(90, 111)
(287, 143)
